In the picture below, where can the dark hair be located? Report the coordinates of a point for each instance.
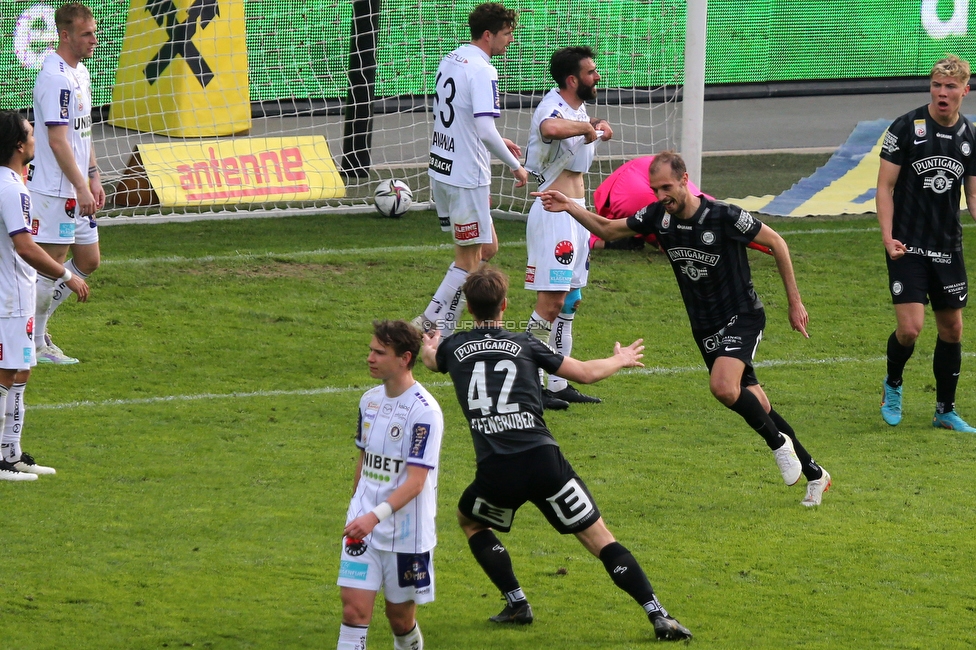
(485, 290)
(566, 62)
(13, 133)
(492, 17)
(399, 335)
(671, 158)
(67, 14)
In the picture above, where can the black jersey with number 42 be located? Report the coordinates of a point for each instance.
(496, 378)
(708, 256)
(934, 161)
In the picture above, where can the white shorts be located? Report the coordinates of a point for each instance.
(55, 220)
(403, 576)
(559, 250)
(17, 343)
(465, 211)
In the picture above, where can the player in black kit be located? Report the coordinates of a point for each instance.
(706, 243)
(496, 378)
(926, 157)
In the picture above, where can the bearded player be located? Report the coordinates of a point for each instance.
(562, 144)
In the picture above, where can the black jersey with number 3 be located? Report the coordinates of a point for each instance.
(708, 256)
(496, 378)
(934, 161)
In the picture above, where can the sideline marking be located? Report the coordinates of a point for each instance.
(331, 390)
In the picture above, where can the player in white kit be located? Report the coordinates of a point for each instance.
(64, 179)
(562, 144)
(19, 257)
(466, 105)
(389, 535)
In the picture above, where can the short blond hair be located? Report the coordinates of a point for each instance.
(953, 67)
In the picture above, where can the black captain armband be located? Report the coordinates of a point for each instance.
(92, 171)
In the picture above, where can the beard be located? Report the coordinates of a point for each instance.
(586, 93)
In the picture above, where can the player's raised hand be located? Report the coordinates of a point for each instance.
(428, 348)
(553, 200)
(630, 355)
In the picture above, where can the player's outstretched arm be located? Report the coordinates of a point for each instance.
(588, 372)
(781, 253)
(428, 349)
(606, 229)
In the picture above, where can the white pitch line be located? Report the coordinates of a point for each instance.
(331, 390)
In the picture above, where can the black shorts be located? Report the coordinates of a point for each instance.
(738, 339)
(542, 475)
(924, 276)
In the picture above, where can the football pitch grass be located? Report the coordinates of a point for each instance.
(204, 449)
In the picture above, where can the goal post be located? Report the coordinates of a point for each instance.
(290, 62)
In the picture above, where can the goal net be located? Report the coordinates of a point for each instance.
(202, 81)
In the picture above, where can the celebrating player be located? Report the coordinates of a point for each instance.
(562, 144)
(926, 157)
(465, 108)
(19, 257)
(64, 179)
(496, 378)
(706, 243)
(389, 533)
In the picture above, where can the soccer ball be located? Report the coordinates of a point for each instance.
(392, 198)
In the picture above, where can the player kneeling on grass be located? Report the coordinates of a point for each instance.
(496, 378)
(19, 257)
(389, 534)
(706, 243)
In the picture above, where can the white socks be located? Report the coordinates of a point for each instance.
(561, 342)
(448, 301)
(13, 422)
(352, 637)
(412, 640)
(50, 295)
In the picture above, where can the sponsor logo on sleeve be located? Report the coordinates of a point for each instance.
(65, 103)
(25, 207)
(496, 95)
(890, 143)
(418, 442)
(745, 222)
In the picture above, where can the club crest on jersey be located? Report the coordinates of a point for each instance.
(396, 432)
(564, 252)
(965, 149)
(920, 128)
(708, 237)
